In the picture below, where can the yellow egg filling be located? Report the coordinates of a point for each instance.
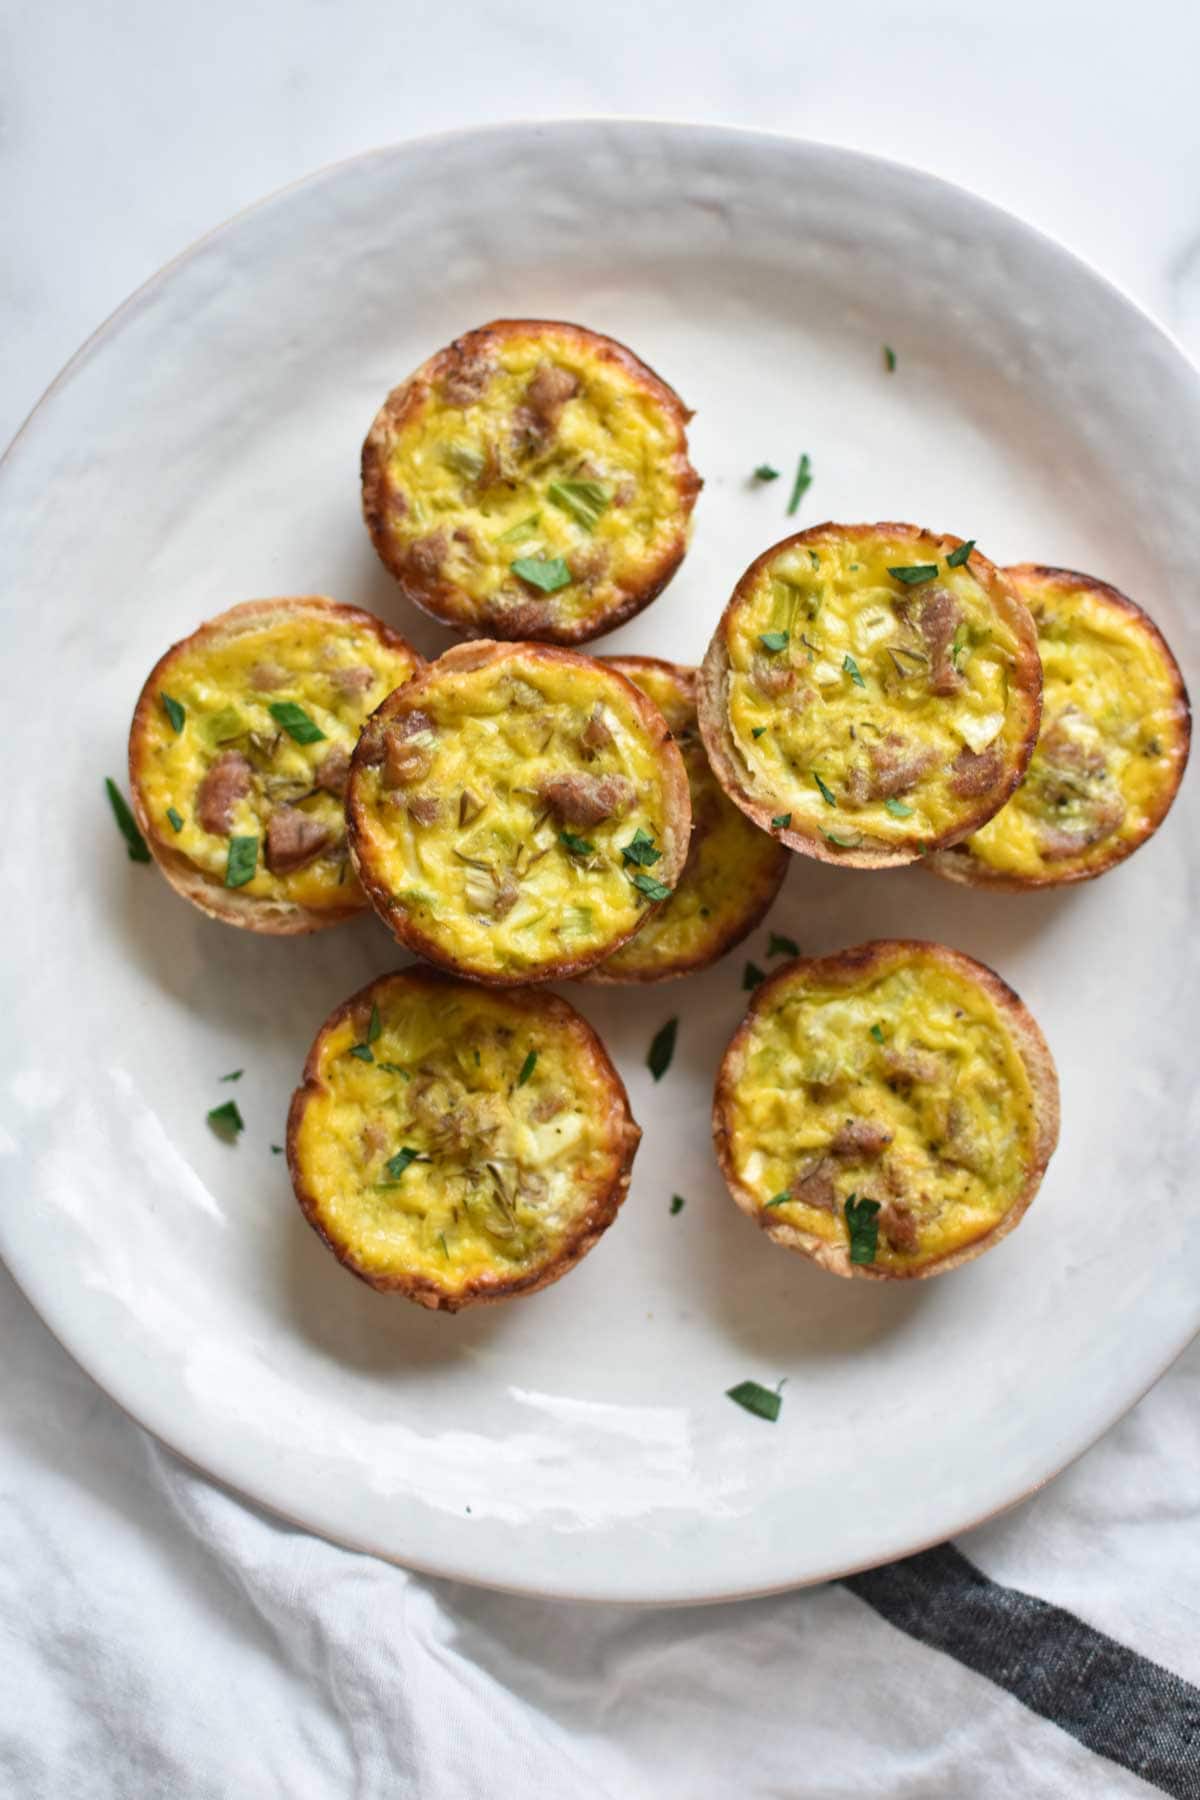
(503, 508)
(860, 703)
(323, 677)
(904, 1087)
(453, 1135)
(1110, 741)
(471, 838)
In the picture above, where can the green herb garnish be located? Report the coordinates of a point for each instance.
(363, 1052)
(752, 977)
(862, 1222)
(877, 1033)
(233, 1075)
(276, 1149)
(958, 557)
(651, 887)
(781, 821)
(227, 1121)
(241, 861)
(773, 641)
(677, 1204)
(778, 945)
(801, 484)
(763, 1402)
(576, 845)
(765, 472)
(396, 1165)
(958, 646)
(135, 843)
(442, 1242)
(375, 1026)
(175, 818)
(851, 668)
(527, 1068)
(889, 359)
(780, 1199)
(295, 721)
(912, 574)
(640, 849)
(395, 1069)
(658, 1061)
(586, 501)
(548, 574)
(898, 809)
(756, 731)
(840, 843)
(174, 712)
(827, 794)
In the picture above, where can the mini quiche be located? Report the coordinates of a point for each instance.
(458, 1144)
(1116, 728)
(531, 480)
(888, 1111)
(733, 871)
(239, 752)
(872, 692)
(516, 812)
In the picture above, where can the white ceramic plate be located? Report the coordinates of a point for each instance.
(203, 449)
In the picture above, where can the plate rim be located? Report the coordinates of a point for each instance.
(238, 1486)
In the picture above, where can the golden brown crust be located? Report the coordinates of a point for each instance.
(441, 598)
(476, 655)
(718, 738)
(755, 898)
(957, 863)
(275, 918)
(848, 966)
(551, 1012)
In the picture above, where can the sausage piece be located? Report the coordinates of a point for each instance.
(228, 780)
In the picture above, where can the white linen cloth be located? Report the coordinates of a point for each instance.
(160, 1638)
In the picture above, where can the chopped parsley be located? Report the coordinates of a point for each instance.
(640, 849)
(763, 1402)
(827, 794)
(527, 1068)
(375, 1026)
(233, 1075)
(778, 945)
(958, 646)
(773, 641)
(752, 977)
(912, 574)
(227, 1121)
(801, 484)
(175, 818)
(651, 887)
(658, 1060)
(851, 668)
(276, 1149)
(958, 557)
(877, 1033)
(174, 712)
(135, 843)
(363, 1052)
(897, 808)
(756, 731)
(780, 1199)
(394, 1069)
(677, 1204)
(442, 1242)
(241, 861)
(889, 359)
(296, 722)
(548, 574)
(576, 845)
(781, 821)
(840, 843)
(765, 472)
(862, 1222)
(396, 1165)
(585, 501)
